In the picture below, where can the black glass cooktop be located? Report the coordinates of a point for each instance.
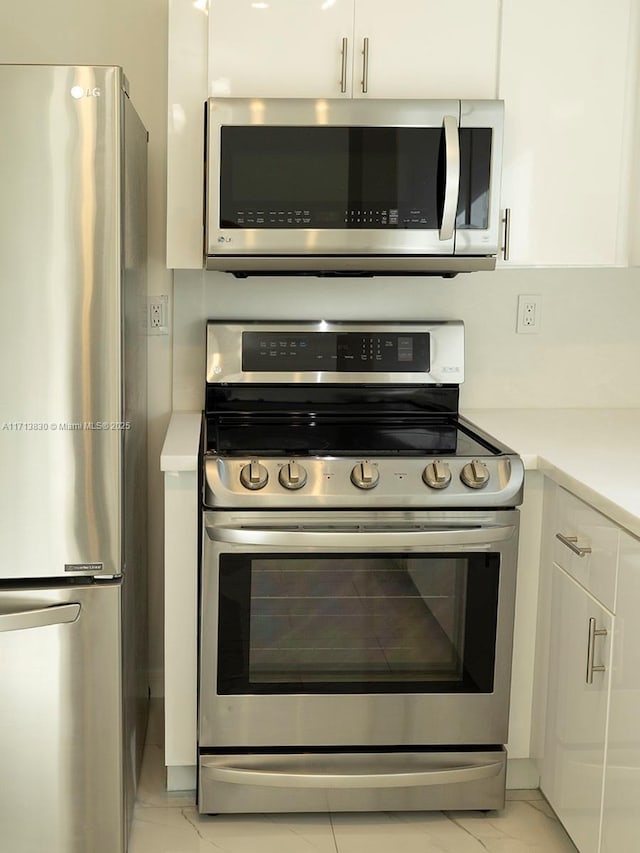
(322, 438)
(328, 420)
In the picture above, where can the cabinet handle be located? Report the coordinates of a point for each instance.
(593, 633)
(343, 75)
(570, 542)
(365, 66)
(506, 244)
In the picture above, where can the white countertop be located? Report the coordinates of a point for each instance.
(595, 453)
(182, 442)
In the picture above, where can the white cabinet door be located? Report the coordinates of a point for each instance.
(573, 769)
(565, 79)
(186, 94)
(426, 49)
(280, 48)
(304, 48)
(621, 809)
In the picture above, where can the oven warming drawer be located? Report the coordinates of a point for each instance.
(373, 781)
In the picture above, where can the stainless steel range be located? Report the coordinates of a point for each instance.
(358, 573)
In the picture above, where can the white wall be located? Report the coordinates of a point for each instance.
(586, 354)
(131, 33)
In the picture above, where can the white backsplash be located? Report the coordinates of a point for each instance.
(587, 353)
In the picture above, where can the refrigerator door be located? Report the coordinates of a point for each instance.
(60, 720)
(60, 306)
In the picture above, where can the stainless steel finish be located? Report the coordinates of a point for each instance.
(506, 245)
(485, 241)
(134, 621)
(591, 643)
(475, 474)
(364, 475)
(329, 485)
(320, 777)
(374, 719)
(253, 475)
(352, 781)
(355, 532)
(571, 543)
(365, 66)
(73, 244)
(60, 230)
(224, 352)
(452, 177)
(62, 771)
(398, 264)
(58, 614)
(437, 475)
(292, 475)
(349, 250)
(343, 67)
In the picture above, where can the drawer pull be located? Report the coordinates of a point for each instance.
(593, 633)
(570, 542)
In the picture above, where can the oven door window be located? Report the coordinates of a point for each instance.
(393, 623)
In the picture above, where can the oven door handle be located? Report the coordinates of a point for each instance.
(283, 779)
(480, 538)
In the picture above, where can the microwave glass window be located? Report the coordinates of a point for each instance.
(348, 177)
(329, 177)
(357, 624)
(475, 171)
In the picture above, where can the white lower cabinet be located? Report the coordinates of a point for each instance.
(621, 805)
(588, 669)
(579, 670)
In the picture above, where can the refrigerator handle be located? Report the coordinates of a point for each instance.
(40, 617)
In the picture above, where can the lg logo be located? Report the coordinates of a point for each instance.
(78, 92)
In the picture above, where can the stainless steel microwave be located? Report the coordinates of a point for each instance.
(352, 187)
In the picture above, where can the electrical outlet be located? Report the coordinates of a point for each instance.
(158, 315)
(529, 308)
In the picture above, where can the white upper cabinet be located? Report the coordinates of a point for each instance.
(187, 92)
(280, 48)
(566, 76)
(425, 49)
(353, 48)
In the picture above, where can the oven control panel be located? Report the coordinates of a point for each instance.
(334, 353)
(337, 481)
(338, 352)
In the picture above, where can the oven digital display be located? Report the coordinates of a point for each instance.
(340, 352)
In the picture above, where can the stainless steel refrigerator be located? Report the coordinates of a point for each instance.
(73, 529)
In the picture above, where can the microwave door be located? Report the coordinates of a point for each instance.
(347, 185)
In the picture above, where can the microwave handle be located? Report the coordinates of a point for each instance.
(452, 177)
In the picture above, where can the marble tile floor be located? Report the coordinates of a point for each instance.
(169, 823)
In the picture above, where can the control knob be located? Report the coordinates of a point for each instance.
(475, 474)
(365, 475)
(254, 475)
(437, 475)
(292, 476)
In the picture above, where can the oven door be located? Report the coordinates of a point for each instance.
(350, 629)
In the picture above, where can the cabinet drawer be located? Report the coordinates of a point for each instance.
(589, 552)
